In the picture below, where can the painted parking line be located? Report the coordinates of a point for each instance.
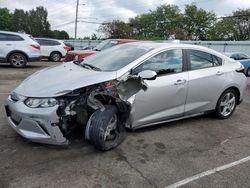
(207, 173)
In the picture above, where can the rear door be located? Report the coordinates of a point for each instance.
(6, 45)
(206, 78)
(165, 97)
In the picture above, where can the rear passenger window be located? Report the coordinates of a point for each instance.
(10, 37)
(14, 38)
(44, 42)
(200, 60)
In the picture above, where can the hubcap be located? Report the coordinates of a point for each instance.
(17, 60)
(110, 132)
(227, 104)
(56, 57)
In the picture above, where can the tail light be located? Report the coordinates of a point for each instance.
(240, 69)
(67, 48)
(36, 46)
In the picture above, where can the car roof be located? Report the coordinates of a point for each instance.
(164, 45)
(45, 38)
(14, 33)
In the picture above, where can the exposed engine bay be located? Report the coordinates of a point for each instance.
(76, 108)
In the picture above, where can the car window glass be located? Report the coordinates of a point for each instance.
(14, 38)
(200, 60)
(167, 62)
(117, 57)
(3, 37)
(44, 42)
(243, 56)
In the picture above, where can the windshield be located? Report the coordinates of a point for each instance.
(105, 44)
(117, 57)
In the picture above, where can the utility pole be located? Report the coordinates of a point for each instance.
(77, 4)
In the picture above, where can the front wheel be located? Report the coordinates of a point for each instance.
(226, 104)
(17, 60)
(106, 130)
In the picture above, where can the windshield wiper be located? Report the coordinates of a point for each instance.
(85, 65)
(90, 66)
(78, 62)
(98, 50)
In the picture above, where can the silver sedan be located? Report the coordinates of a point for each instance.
(128, 86)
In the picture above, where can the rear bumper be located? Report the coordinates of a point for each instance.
(38, 125)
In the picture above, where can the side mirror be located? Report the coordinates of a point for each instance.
(148, 75)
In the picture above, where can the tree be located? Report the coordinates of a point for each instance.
(116, 29)
(94, 37)
(59, 34)
(197, 23)
(233, 27)
(38, 21)
(20, 21)
(5, 19)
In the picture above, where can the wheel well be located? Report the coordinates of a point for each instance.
(56, 52)
(23, 53)
(237, 92)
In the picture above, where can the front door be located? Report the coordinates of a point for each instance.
(166, 95)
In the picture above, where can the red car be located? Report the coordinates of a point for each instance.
(80, 54)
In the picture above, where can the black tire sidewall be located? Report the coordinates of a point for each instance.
(217, 110)
(247, 73)
(98, 125)
(13, 65)
(55, 53)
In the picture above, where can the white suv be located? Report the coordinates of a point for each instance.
(18, 48)
(52, 49)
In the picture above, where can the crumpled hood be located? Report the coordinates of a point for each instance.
(59, 80)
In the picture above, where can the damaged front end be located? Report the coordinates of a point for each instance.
(77, 107)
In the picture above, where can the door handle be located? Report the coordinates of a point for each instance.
(8, 44)
(179, 82)
(219, 73)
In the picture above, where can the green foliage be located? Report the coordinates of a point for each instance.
(167, 22)
(116, 29)
(235, 27)
(5, 19)
(34, 22)
(59, 34)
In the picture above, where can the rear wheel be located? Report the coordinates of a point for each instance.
(55, 56)
(18, 60)
(226, 104)
(106, 131)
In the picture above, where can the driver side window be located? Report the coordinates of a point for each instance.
(166, 62)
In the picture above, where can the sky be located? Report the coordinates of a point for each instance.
(61, 13)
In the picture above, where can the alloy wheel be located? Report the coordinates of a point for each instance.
(18, 60)
(227, 104)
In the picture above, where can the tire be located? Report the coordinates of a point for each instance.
(17, 60)
(248, 72)
(226, 104)
(55, 56)
(106, 130)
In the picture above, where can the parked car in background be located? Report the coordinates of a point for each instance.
(18, 48)
(52, 49)
(80, 54)
(132, 85)
(243, 59)
(71, 47)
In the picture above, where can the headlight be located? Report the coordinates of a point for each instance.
(40, 102)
